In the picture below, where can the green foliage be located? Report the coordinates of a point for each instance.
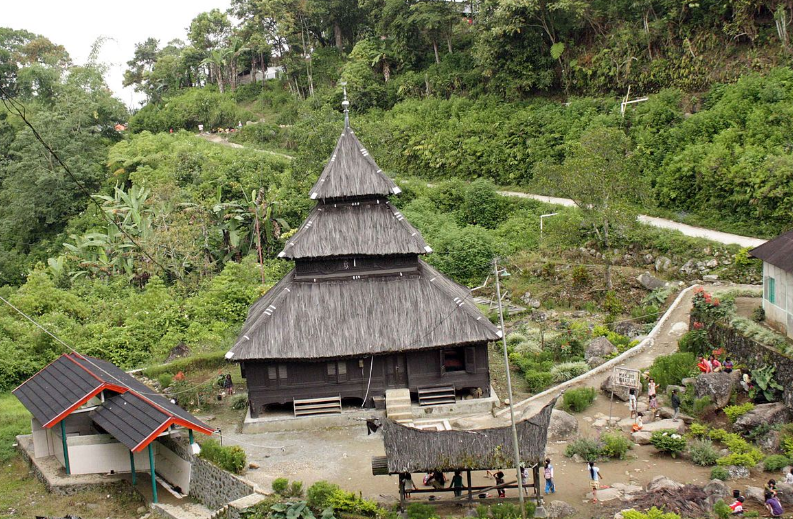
(652, 513)
(734, 412)
(719, 473)
(702, 452)
(776, 462)
(421, 511)
(578, 399)
(702, 406)
(742, 453)
(350, 503)
(697, 430)
(673, 368)
(187, 109)
(765, 384)
(588, 448)
(758, 314)
(538, 380)
(318, 495)
(722, 509)
(668, 441)
(165, 380)
(696, 342)
(568, 370)
(295, 510)
(230, 458)
(16, 421)
(615, 445)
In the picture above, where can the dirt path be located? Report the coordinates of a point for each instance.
(663, 223)
(223, 141)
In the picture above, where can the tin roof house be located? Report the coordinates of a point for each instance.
(360, 313)
(777, 256)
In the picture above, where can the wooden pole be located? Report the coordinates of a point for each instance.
(132, 467)
(65, 448)
(401, 494)
(470, 492)
(153, 478)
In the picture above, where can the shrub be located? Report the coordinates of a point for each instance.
(734, 412)
(318, 494)
(703, 453)
(719, 473)
(652, 513)
(348, 502)
(505, 511)
(538, 380)
(281, 486)
(568, 370)
(578, 399)
(742, 459)
(758, 314)
(240, 403)
(615, 445)
(667, 440)
(717, 434)
(422, 511)
(698, 430)
(722, 509)
(587, 448)
(702, 406)
(230, 458)
(165, 380)
(776, 462)
(515, 338)
(672, 369)
(694, 341)
(296, 489)
(581, 277)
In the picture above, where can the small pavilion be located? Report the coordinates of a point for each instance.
(410, 451)
(95, 418)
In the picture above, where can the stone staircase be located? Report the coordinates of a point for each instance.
(398, 406)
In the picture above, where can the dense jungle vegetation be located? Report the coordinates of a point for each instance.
(154, 238)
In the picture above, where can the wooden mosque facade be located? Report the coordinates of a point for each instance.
(360, 313)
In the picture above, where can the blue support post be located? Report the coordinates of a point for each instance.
(132, 466)
(65, 448)
(153, 480)
(192, 440)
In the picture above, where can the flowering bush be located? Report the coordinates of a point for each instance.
(708, 308)
(667, 440)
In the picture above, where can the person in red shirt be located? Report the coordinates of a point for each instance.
(737, 506)
(704, 366)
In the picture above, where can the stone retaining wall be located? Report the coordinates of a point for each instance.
(210, 485)
(754, 355)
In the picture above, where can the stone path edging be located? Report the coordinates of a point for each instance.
(646, 343)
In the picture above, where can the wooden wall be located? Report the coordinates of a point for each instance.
(282, 382)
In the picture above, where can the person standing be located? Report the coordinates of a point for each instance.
(499, 477)
(406, 480)
(652, 387)
(675, 404)
(653, 407)
(632, 402)
(789, 478)
(550, 488)
(594, 480)
(228, 384)
(457, 483)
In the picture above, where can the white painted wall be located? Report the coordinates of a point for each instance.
(42, 440)
(779, 313)
(172, 468)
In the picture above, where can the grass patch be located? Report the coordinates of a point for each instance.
(16, 420)
(202, 361)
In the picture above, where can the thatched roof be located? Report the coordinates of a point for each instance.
(352, 229)
(305, 320)
(351, 172)
(415, 450)
(777, 252)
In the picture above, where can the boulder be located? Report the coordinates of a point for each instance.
(785, 493)
(641, 437)
(650, 282)
(606, 494)
(562, 426)
(620, 392)
(710, 278)
(658, 425)
(717, 489)
(659, 482)
(712, 263)
(769, 414)
(668, 412)
(718, 386)
(559, 509)
(770, 442)
(662, 264)
(679, 328)
(737, 472)
(599, 347)
(756, 494)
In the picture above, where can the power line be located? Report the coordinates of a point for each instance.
(18, 109)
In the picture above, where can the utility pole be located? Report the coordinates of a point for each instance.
(509, 394)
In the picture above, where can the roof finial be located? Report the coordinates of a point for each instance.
(345, 104)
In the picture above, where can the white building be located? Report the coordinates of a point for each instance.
(777, 256)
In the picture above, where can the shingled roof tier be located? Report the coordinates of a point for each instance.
(352, 173)
(304, 320)
(778, 252)
(414, 450)
(372, 227)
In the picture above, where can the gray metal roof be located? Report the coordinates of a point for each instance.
(777, 252)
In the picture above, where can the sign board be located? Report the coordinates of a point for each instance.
(627, 377)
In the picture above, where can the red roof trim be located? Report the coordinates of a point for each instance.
(175, 418)
(153, 436)
(84, 368)
(66, 412)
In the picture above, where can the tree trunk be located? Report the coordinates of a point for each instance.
(607, 254)
(435, 48)
(386, 71)
(449, 42)
(337, 35)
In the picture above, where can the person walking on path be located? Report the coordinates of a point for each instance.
(228, 385)
(675, 404)
(594, 480)
(457, 483)
(550, 487)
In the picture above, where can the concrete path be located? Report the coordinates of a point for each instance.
(223, 141)
(663, 223)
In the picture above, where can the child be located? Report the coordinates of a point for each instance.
(639, 423)
(728, 365)
(651, 388)
(594, 480)
(653, 406)
(789, 478)
(737, 506)
(771, 487)
(675, 404)
(632, 401)
(550, 488)
(406, 480)
(499, 477)
(457, 483)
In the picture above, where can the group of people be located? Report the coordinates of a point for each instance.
(772, 504)
(437, 479)
(652, 405)
(713, 365)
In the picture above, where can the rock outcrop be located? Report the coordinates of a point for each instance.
(563, 425)
(769, 414)
(717, 386)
